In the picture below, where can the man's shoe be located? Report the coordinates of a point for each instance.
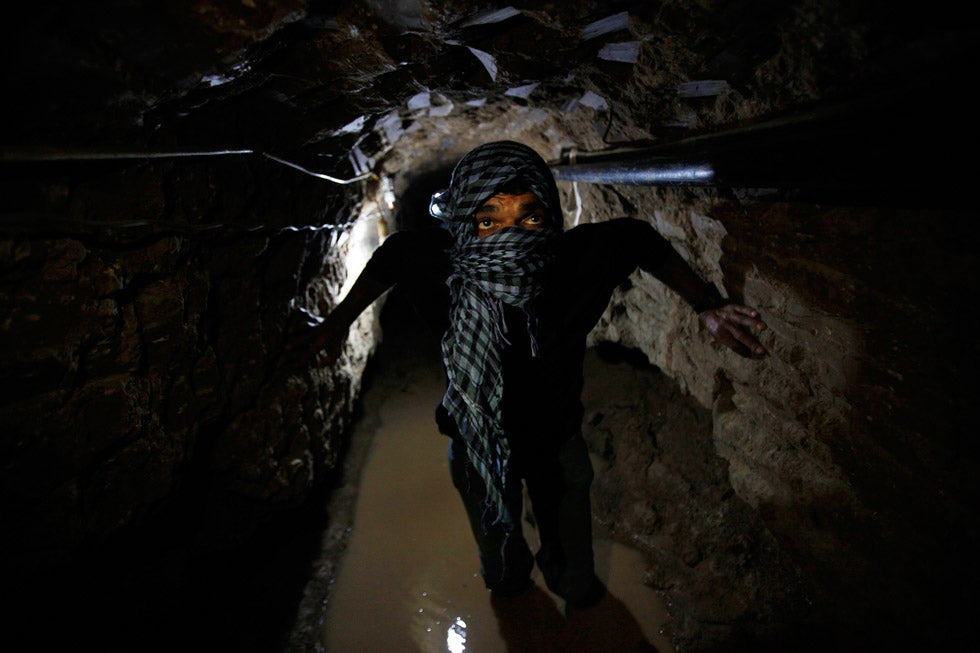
(593, 595)
(510, 589)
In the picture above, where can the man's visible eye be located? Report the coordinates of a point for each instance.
(534, 218)
(485, 223)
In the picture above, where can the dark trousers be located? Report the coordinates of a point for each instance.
(558, 489)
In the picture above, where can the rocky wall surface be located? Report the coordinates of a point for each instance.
(145, 313)
(823, 493)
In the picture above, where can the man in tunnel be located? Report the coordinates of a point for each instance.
(519, 296)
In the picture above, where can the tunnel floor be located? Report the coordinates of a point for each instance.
(408, 579)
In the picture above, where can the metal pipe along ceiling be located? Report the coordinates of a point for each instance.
(644, 171)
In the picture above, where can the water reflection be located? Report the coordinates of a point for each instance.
(456, 637)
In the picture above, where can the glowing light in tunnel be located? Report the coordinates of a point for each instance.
(388, 192)
(456, 636)
(361, 242)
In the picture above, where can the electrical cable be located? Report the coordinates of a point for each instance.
(142, 233)
(113, 156)
(54, 225)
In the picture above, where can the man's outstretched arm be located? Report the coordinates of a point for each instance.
(307, 338)
(731, 324)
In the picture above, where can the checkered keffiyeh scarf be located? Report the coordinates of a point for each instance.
(507, 267)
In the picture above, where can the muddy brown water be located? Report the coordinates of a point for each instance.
(409, 578)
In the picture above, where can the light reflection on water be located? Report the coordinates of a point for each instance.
(456, 637)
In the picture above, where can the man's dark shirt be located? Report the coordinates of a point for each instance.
(542, 404)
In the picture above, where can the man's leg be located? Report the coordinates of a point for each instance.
(559, 493)
(505, 558)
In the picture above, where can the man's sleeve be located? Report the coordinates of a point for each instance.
(650, 248)
(628, 244)
(654, 254)
(404, 255)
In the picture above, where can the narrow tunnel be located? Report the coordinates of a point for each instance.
(179, 182)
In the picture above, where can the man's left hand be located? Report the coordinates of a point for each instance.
(733, 325)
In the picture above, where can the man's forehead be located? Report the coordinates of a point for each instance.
(527, 200)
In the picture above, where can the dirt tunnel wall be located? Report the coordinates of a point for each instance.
(141, 389)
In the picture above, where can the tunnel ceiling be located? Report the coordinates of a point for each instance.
(331, 84)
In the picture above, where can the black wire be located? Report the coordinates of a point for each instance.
(47, 226)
